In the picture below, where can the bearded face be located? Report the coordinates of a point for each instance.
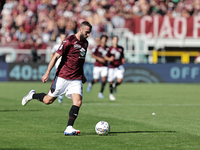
(84, 32)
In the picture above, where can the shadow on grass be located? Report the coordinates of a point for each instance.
(143, 132)
(128, 132)
(16, 110)
(95, 101)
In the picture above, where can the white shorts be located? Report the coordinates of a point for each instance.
(60, 86)
(117, 72)
(99, 71)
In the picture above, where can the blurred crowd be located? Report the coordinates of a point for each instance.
(36, 23)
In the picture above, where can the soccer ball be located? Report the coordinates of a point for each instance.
(102, 127)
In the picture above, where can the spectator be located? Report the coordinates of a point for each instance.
(118, 20)
(47, 18)
(34, 55)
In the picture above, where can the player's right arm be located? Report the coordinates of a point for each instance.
(94, 51)
(109, 56)
(45, 77)
(102, 60)
(52, 55)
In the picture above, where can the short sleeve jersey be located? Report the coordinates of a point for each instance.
(118, 53)
(73, 54)
(55, 48)
(100, 52)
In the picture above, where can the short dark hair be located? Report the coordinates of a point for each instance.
(102, 36)
(85, 23)
(115, 36)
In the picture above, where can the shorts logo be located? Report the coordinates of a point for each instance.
(52, 90)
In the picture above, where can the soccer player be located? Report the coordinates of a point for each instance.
(69, 75)
(53, 51)
(116, 70)
(100, 65)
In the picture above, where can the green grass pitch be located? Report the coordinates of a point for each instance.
(175, 125)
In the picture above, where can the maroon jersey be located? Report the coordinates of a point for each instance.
(100, 52)
(73, 54)
(118, 53)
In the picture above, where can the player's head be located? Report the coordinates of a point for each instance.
(103, 39)
(85, 30)
(62, 36)
(115, 40)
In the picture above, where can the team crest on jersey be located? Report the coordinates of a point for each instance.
(77, 46)
(82, 53)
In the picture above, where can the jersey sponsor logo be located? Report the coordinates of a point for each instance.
(77, 46)
(64, 41)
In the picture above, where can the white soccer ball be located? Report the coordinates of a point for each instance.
(102, 127)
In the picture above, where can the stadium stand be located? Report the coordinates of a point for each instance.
(37, 23)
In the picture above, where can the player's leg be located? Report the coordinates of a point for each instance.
(111, 77)
(57, 88)
(74, 92)
(28, 97)
(48, 99)
(42, 97)
(115, 84)
(119, 75)
(103, 83)
(73, 113)
(60, 98)
(104, 72)
(96, 72)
